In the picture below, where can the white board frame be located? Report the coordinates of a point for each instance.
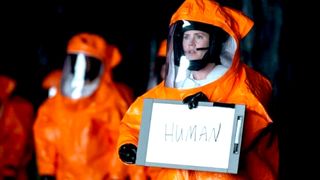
(221, 156)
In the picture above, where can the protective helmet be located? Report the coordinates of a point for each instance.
(217, 36)
(95, 46)
(86, 61)
(211, 57)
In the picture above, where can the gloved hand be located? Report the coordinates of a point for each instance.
(128, 153)
(194, 99)
(47, 177)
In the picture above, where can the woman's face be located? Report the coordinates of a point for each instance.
(192, 40)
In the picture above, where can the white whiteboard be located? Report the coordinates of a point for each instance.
(205, 138)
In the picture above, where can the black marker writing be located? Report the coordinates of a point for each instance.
(177, 133)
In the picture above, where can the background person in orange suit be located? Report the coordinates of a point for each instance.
(16, 142)
(203, 48)
(76, 130)
(51, 83)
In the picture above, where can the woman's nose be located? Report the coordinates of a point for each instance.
(192, 42)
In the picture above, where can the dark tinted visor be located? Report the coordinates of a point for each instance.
(92, 66)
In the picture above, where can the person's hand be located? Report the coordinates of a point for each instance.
(47, 177)
(128, 153)
(194, 99)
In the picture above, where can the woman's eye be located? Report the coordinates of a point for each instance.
(199, 36)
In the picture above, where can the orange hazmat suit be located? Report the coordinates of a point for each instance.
(76, 138)
(239, 84)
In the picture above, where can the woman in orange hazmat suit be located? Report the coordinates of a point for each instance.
(203, 64)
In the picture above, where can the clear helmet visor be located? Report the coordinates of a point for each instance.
(81, 75)
(193, 54)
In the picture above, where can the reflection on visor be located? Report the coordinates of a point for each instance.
(81, 75)
(91, 66)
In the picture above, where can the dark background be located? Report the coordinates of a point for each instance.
(34, 35)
